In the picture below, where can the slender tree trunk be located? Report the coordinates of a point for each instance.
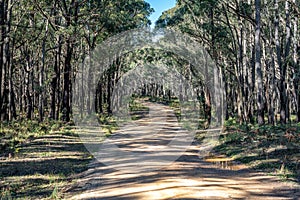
(271, 82)
(283, 72)
(11, 98)
(239, 70)
(288, 59)
(29, 107)
(89, 85)
(59, 81)
(278, 61)
(100, 98)
(4, 59)
(7, 56)
(251, 72)
(54, 82)
(109, 93)
(54, 90)
(41, 77)
(259, 80)
(2, 31)
(66, 109)
(296, 80)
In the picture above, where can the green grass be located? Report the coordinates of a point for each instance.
(15, 133)
(108, 124)
(39, 162)
(272, 149)
(137, 109)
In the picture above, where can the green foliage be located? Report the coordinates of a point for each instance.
(15, 133)
(137, 109)
(245, 8)
(55, 158)
(108, 124)
(55, 193)
(5, 195)
(274, 149)
(42, 31)
(171, 17)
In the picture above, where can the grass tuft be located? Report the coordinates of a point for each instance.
(272, 149)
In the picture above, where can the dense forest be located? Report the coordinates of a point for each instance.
(254, 43)
(44, 42)
(46, 49)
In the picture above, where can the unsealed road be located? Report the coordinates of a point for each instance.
(130, 176)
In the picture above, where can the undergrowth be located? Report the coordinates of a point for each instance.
(272, 149)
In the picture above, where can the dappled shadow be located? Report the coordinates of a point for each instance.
(125, 176)
(268, 152)
(41, 164)
(65, 166)
(181, 180)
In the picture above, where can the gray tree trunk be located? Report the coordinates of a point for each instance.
(259, 79)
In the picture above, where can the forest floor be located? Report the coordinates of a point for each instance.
(123, 176)
(40, 166)
(57, 165)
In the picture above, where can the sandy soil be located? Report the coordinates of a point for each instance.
(141, 162)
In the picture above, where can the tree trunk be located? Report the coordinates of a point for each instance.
(66, 109)
(283, 72)
(288, 60)
(8, 65)
(296, 79)
(2, 31)
(54, 82)
(28, 77)
(271, 83)
(259, 80)
(41, 78)
(54, 90)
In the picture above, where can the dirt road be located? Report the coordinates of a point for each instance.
(137, 163)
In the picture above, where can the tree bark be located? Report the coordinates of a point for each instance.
(259, 80)
(42, 72)
(2, 31)
(296, 79)
(66, 109)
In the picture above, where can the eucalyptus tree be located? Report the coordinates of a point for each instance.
(43, 43)
(255, 45)
(6, 94)
(258, 70)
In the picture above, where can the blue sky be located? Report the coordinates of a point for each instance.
(160, 6)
